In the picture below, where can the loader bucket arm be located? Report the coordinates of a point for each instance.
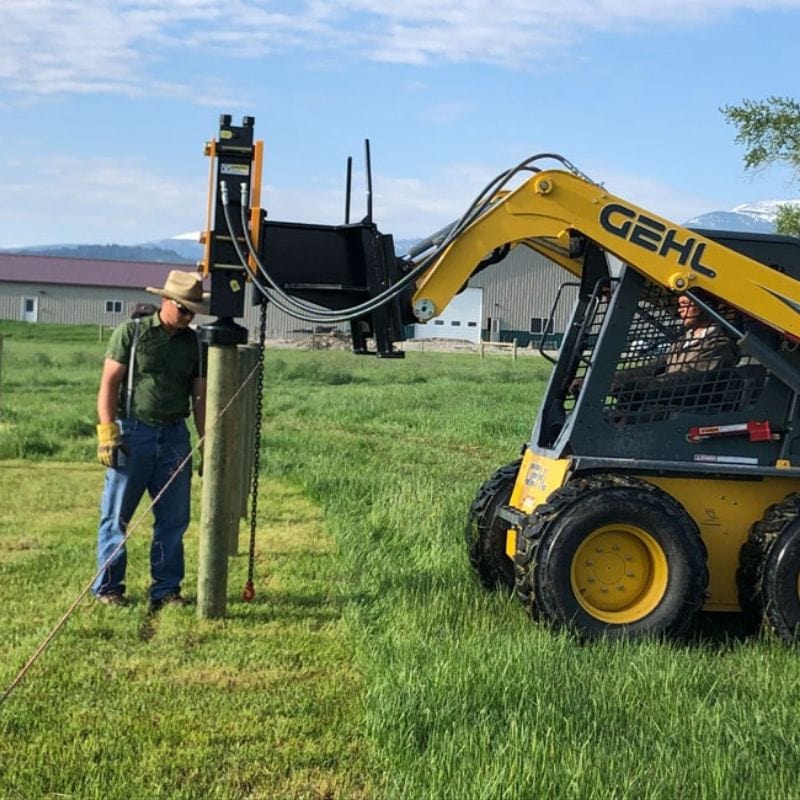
(554, 210)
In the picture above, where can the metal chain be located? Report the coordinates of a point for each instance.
(249, 589)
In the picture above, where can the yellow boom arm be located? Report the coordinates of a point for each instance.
(549, 210)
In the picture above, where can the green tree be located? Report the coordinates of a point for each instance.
(770, 131)
(788, 220)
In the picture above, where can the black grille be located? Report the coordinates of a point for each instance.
(665, 370)
(587, 340)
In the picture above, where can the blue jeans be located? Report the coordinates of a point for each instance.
(154, 454)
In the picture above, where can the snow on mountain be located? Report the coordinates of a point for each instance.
(766, 210)
(186, 245)
(730, 221)
(402, 246)
(758, 217)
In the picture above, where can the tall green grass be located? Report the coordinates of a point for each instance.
(423, 685)
(50, 375)
(464, 697)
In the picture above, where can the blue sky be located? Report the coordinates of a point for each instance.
(107, 104)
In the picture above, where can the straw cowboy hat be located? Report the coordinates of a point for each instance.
(186, 288)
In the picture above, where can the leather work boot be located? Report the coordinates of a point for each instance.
(112, 599)
(172, 599)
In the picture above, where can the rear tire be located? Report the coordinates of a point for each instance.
(769, 571)
(614, 556)
(485, 532)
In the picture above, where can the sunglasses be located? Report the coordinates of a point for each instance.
(181, 308)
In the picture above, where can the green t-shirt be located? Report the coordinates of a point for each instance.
(164, 367)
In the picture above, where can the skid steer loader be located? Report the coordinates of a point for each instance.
(644, 496)
(645, 493)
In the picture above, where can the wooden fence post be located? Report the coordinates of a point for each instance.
(219, 501)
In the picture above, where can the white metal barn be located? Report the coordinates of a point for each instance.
(462, 319)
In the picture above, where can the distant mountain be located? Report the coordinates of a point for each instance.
(187, 246)
(182, 249)
(402, 246)
(756, 217)
(107, 252)
(730, 221)
(766, 210)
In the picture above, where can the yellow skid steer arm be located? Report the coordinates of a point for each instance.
(554, 210)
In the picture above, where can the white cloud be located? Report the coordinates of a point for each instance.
(81, 46)
(656, 196)
(519, 32)
(407, 207)
(111, 200)
(412, 207)
(96, 200)
(108, 200)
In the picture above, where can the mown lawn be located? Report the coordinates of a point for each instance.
(371, 664)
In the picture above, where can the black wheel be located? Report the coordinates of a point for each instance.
(612, 556)
(769, 571)
(485, 532)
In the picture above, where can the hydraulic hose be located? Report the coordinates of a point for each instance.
(307, 312)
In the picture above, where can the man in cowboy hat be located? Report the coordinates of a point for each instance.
(152, 378)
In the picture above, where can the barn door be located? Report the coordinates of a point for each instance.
(30, 309)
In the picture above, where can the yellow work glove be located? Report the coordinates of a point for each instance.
(109, 444)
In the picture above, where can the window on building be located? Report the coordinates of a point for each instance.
(113, 306)
(455, 323)
(472, 324)
(537, 325)
(438, 322)
(29, 305)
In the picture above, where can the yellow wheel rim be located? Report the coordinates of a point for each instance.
(619, 573)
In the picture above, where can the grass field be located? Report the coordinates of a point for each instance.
(372, 664)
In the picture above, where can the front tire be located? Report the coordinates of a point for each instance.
(485, 532)
(616, 556)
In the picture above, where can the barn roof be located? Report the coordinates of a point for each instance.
(16, 268)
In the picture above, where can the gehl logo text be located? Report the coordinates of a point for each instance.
(652, 235)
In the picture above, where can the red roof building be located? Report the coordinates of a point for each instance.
(37, 288)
